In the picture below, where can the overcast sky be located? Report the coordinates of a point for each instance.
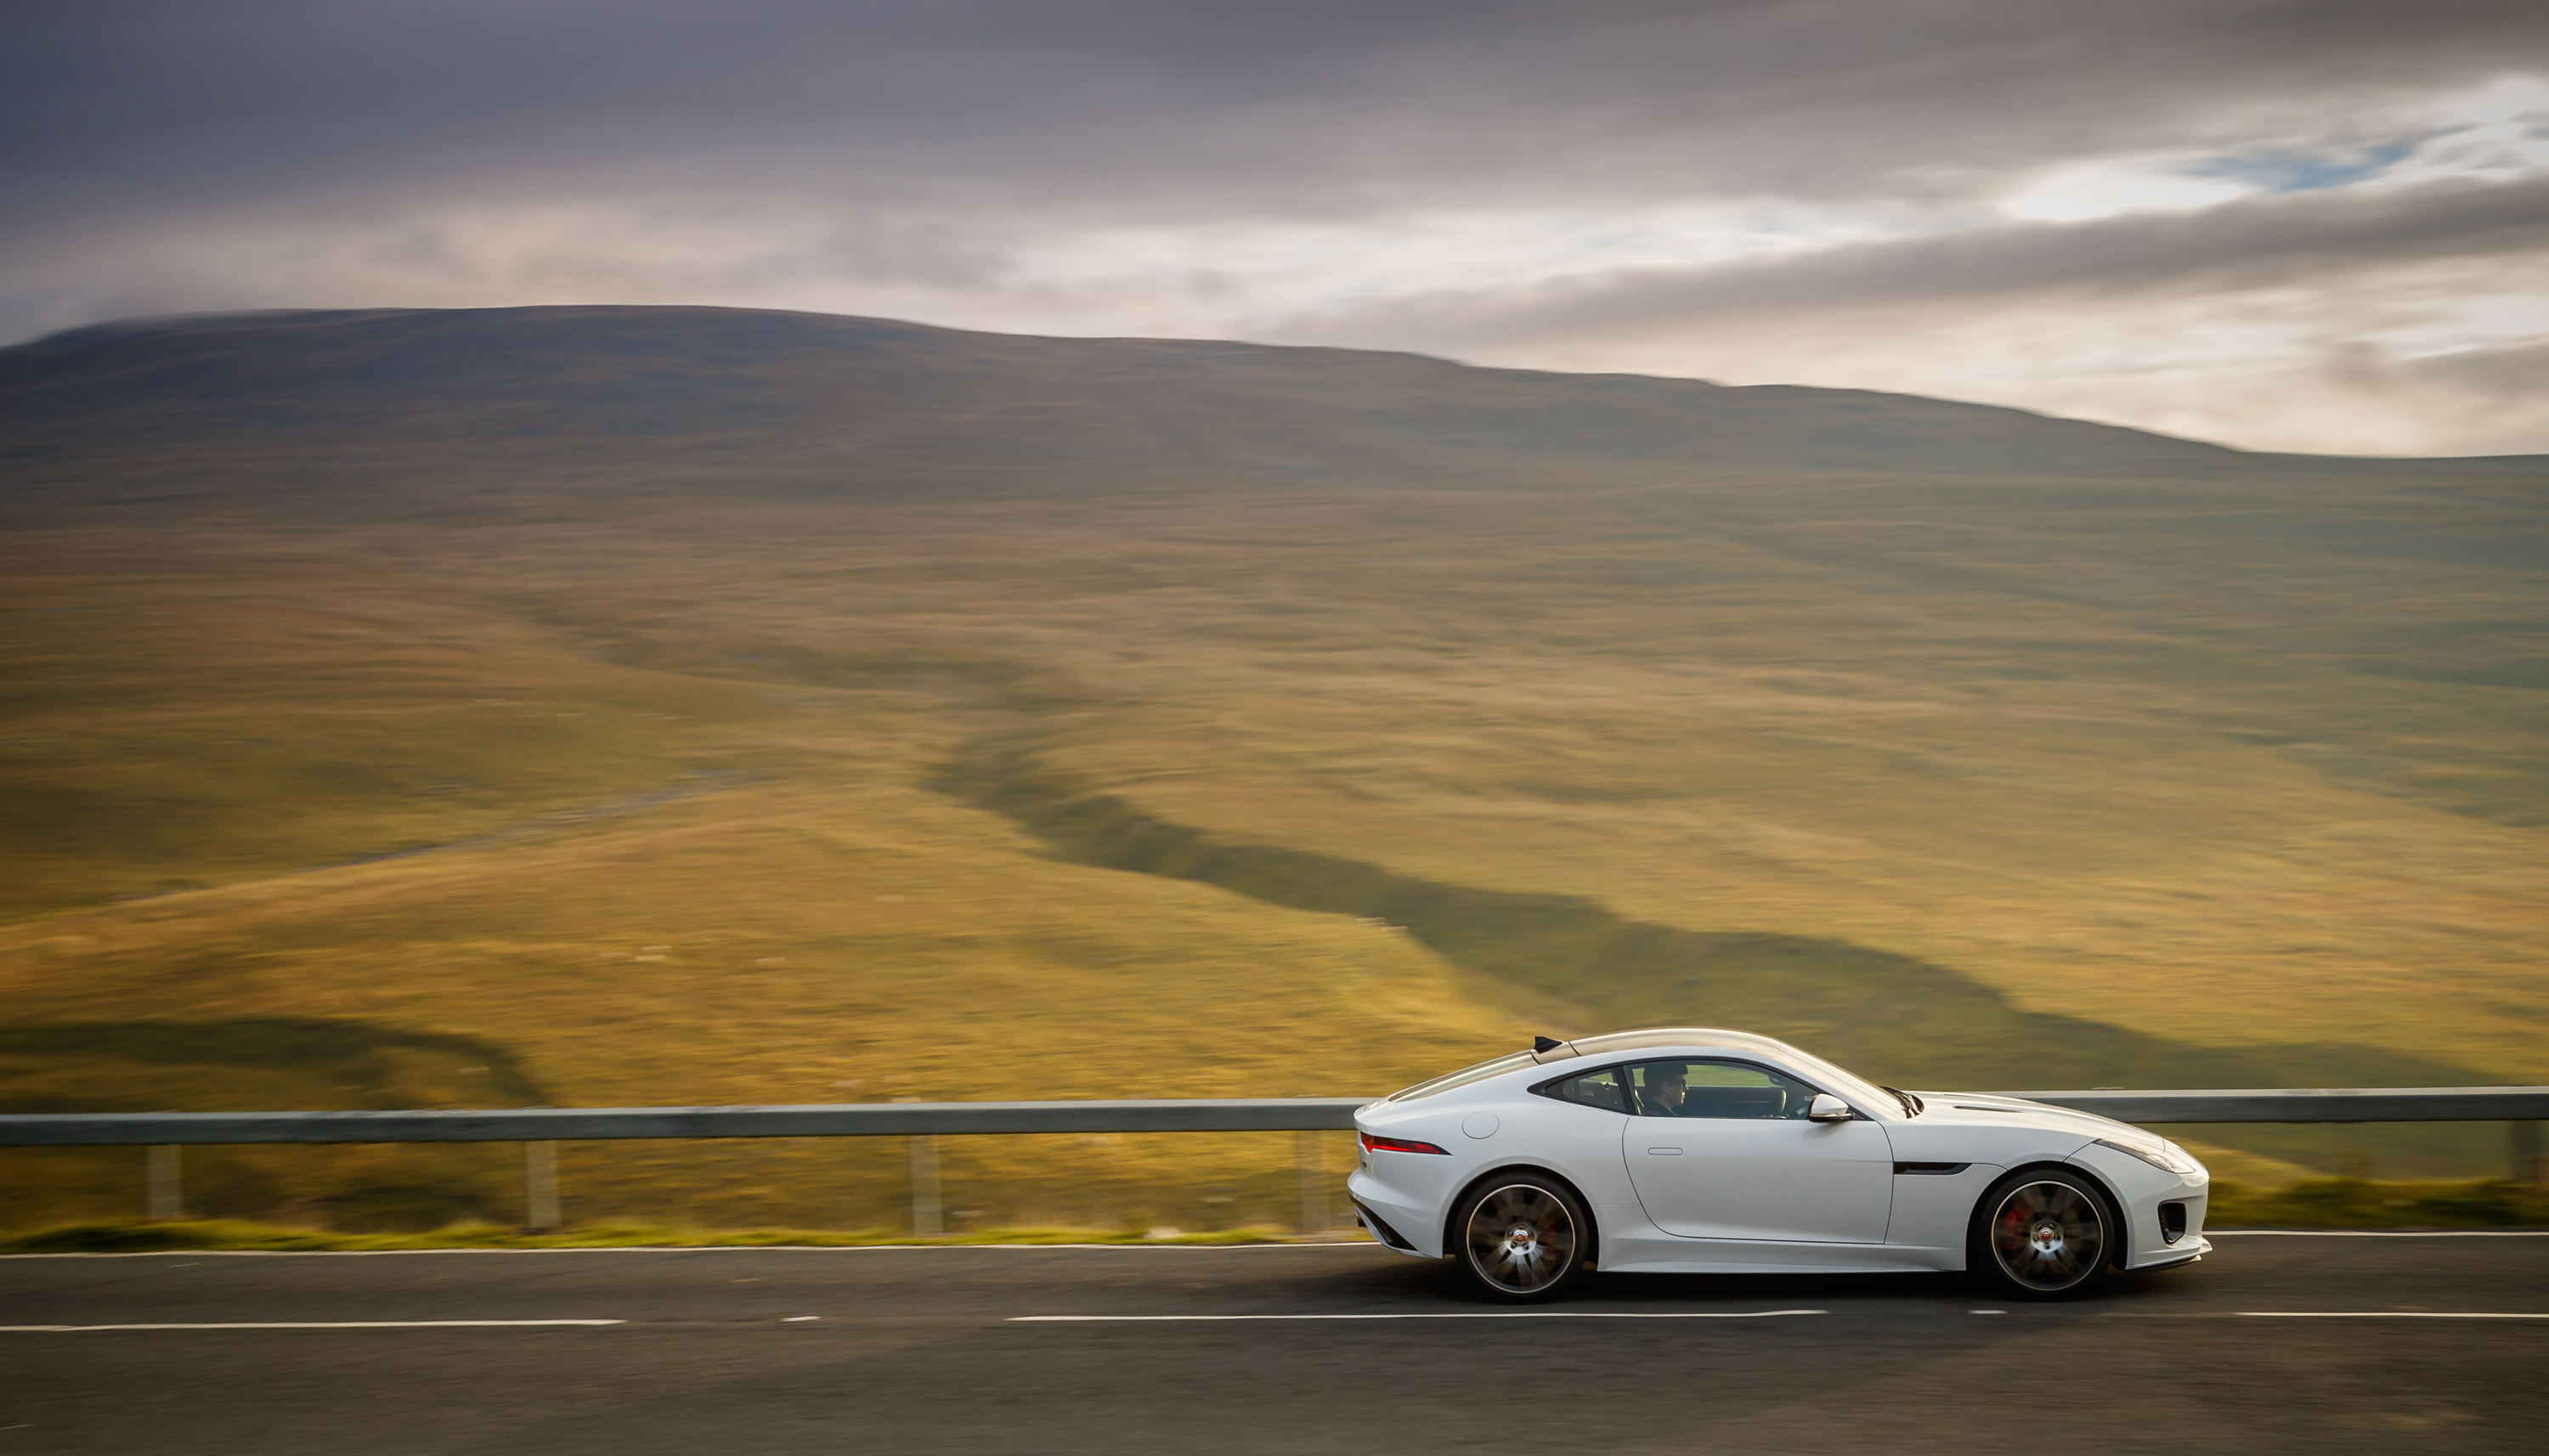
(2291, 225)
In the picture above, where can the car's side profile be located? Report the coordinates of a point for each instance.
(1697, 1150)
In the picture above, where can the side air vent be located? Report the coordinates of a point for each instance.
(2172, 1222)
(1939, 1169)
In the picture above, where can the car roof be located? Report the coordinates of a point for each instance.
(1652, 1037)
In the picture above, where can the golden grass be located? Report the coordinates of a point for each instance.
(2351, 1203)
(240, 1236)
(646, 803)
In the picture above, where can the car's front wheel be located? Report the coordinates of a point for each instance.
(2045, 1233)
(1523, 1237)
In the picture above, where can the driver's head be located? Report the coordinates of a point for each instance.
(1665, 1086)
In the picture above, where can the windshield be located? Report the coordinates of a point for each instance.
(1866, 1093)
(1465, 1075)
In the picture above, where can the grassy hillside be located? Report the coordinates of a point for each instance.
(422, 411)
(397, 710)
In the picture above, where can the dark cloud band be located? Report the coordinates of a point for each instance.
(2264, 243)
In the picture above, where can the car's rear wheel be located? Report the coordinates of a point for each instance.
(2043, 1234)
(1522, 1237)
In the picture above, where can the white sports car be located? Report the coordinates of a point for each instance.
(1689, 1150)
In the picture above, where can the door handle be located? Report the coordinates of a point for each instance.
(1664, 1152)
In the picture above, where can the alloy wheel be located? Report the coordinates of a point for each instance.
(2049, 1235)
(1521, 1238)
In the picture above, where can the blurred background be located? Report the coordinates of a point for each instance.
(482, 623)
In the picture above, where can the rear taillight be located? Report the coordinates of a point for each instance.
(1374, 1142)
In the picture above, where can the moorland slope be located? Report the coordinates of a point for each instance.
(868, 408)
(645, 705)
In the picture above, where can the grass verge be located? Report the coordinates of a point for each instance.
(2349, 1203)
(222, 1233)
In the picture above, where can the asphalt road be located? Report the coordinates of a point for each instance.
(2272, 1344)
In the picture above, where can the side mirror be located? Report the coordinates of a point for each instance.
(1826, 1107)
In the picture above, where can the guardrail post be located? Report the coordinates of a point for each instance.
(926, 1219)
(163, 1181)
(924, 1185)
(1314, 1183)
(539, 1186)
(2526, 1151)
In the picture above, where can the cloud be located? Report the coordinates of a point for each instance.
(1152, 104)
(2107, 189)
(2249, 244)
(1600, 184)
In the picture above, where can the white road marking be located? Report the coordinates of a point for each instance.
(316, 1324)
(2381, 1315)
(797, 1319)
(2376, 1232)
(1447, 1314)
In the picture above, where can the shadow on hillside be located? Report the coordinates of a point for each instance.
(266, 1063)
(1906, 1021)
(384, 1066)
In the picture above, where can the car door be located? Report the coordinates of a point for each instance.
(1723, 1149)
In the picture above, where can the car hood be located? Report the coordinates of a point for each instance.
(1983, 1110)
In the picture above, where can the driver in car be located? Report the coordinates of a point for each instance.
(1667, 1087)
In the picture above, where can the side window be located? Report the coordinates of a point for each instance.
(1715, 1089)
(1593, 1089)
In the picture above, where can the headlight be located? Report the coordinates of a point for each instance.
(2160, 1153)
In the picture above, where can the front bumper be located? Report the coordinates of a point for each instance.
(2177, 1254)
(2153, 1240)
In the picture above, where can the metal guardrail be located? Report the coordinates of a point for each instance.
(541, 1128)
(582, 1124)
(1196, 1115)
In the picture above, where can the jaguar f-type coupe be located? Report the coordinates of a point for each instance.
(1691, 1150)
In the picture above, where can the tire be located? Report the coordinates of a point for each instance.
(2044, 1234)
(1522, 1237)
